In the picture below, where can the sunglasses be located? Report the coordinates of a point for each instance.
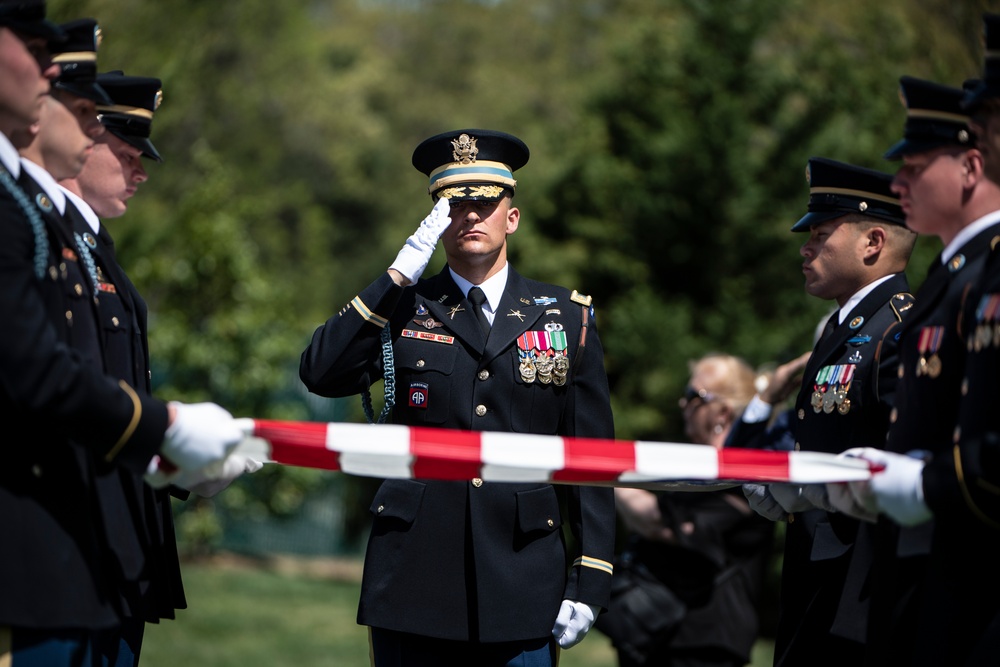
(690, 394)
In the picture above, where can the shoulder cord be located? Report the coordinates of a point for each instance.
(88, 260)
(37, 226)
(389, 379)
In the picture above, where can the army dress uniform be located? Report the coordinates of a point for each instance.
(138, 518)
(960, 607)
(960, 610)
(932, 361)
(472, 560)
(53, 572)
(845, 401)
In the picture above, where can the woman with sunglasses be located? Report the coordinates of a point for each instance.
(708, 550)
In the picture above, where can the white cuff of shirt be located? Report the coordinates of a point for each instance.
(757, 410)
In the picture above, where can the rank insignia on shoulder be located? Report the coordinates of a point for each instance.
(902, 302)
(582, 299)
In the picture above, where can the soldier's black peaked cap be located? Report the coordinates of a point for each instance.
(934, 118)
(471, 164)
(837, 189)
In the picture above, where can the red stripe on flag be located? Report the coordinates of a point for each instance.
(753, 464)
(593, 459)
(445, 453)
(298, 443)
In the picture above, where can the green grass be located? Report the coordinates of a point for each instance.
(284, 616)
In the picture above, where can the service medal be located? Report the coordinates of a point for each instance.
(527, 370)
(844, 407)
(930, 342)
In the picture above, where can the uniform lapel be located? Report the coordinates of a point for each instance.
(827, 351)
(515, 315)
(445, 303)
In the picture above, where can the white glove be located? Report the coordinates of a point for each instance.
(201, 434)
(573, 622)
(843, 501)
(416, 253)
(800, 497)
(215, 477)
(763, 503)
(897, 490)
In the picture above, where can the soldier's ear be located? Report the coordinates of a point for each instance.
(875, 238)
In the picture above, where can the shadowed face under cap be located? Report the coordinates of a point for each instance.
(471, 165)
(77, 60)
(934, 118)
(130, 115)
(837, 189)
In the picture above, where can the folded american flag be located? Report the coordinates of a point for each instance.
(411, 452)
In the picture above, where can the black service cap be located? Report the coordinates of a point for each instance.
(471, 164)
(837, 189)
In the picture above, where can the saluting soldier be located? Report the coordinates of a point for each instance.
(58, 598)
(856, 254)
(944, 191)
(474, 572)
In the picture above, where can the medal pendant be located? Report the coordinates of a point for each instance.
(561, 364)
(527, 370)
(934, 366)
(844, 407)
(996, 335)
(829, 402)
(817, 400)
(922, 366)
(559, 380)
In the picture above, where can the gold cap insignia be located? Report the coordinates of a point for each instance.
(465, 150)
(863, 206)
(158, 100)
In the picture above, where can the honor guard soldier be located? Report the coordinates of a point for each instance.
(70, 417)
(945, 192)
(856, 254)
(958, 615)
(145, 558)
(474, 572)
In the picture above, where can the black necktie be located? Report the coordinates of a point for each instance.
(478, 298)
(831, 324)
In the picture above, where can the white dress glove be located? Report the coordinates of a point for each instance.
(897, 490)
(215, 477)
(416, 253)
(573, 622)
(763, 503)
(201, 434)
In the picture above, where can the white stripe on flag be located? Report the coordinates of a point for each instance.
(810, 467)
(371, 451)
(520, 457)
(660, 460)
